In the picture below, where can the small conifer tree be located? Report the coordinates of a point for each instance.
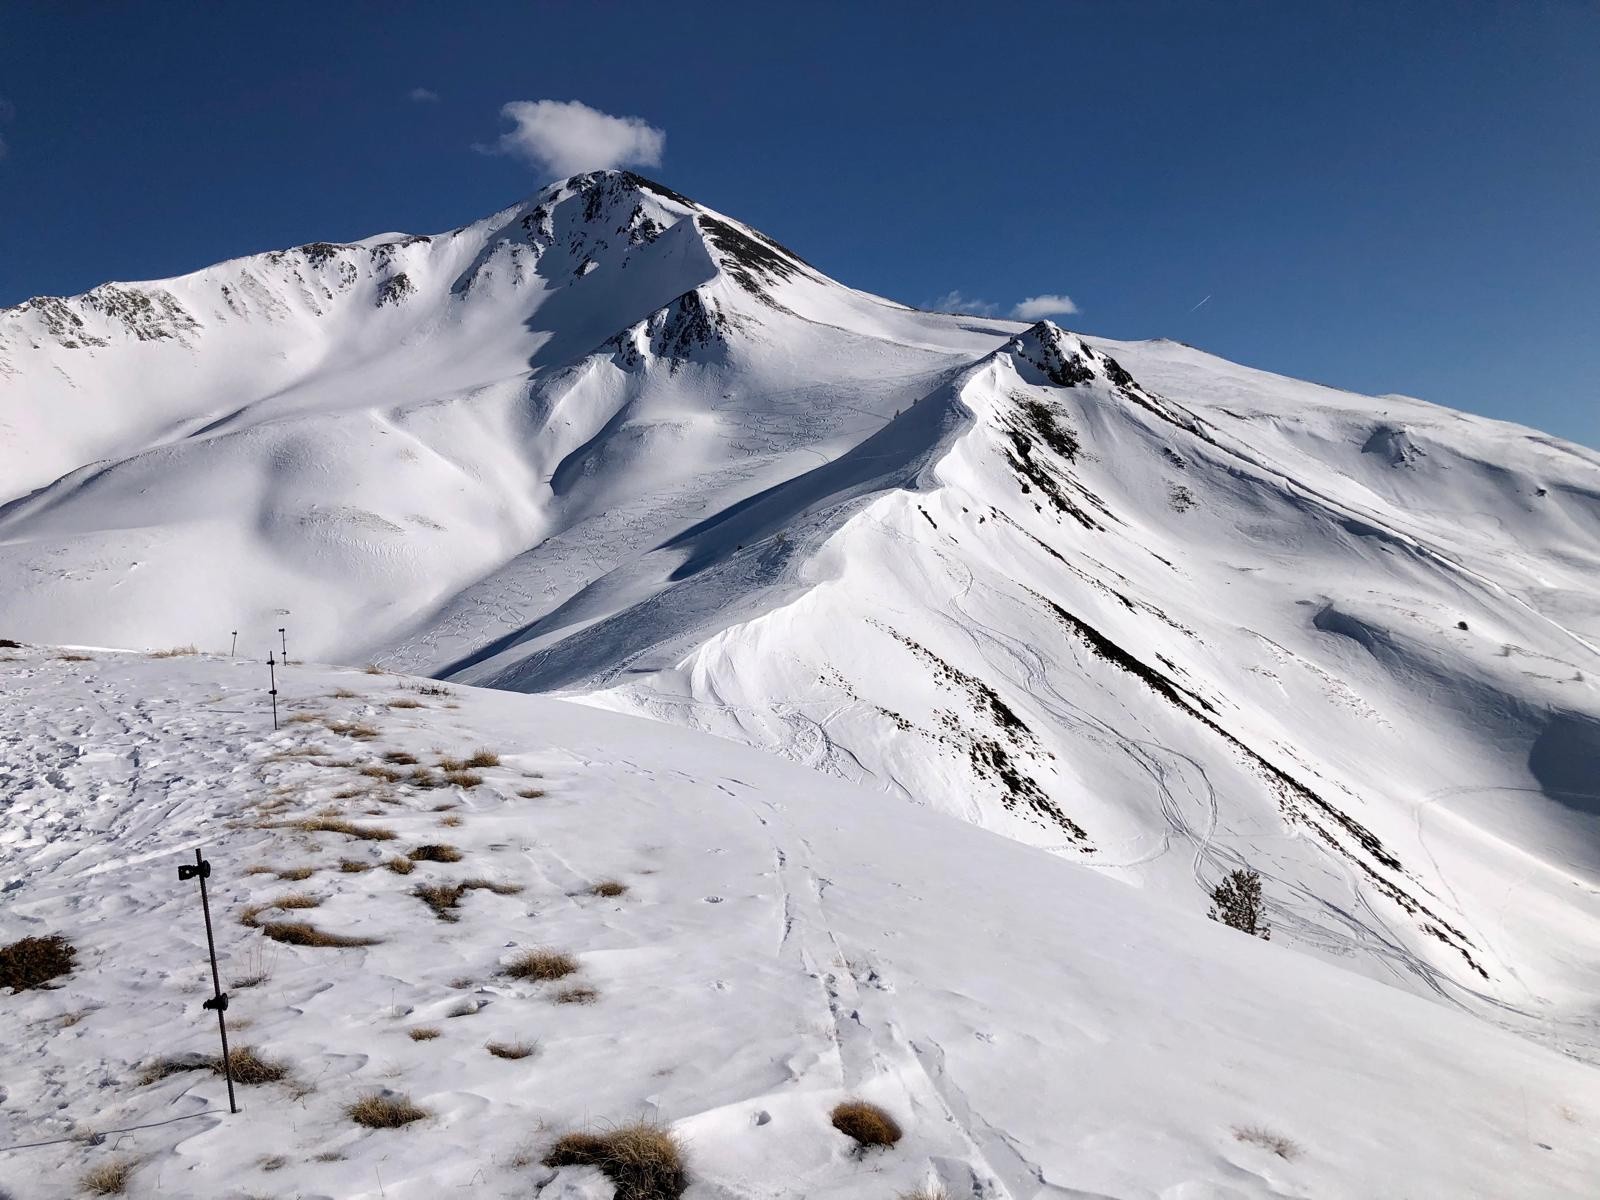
(1236, 901)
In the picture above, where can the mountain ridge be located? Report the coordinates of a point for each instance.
(1160, 613)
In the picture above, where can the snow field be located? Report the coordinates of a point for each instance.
(785, 941)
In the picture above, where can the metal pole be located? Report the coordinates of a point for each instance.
(235, 646)
(284, 637)
(272, 674)
(219, 998)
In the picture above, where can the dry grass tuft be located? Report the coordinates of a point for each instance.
(344, 693)
(463, 779)
(260, 869)
(443, 898)
(577, 995)
(174, 652)
(400, 758)
(642, 1161)
(511, 1049)
(367, 833)
(300, 933)
(450, 820)
(541, 964)
(436, 852)
(483, 757)
(924, 1193)
(249, 913)
(424, 778)
(530, 793)
(158, 1069)
(868, 1124)
(296, 874)
(387, 774)
(405, 702)
(379, 1111)
(349, 793)
(608, 887)
(423, 1033)
(489, 885)
(75, 658)
(304, 718)
(32, 962)
(250, 1068)
(374, 669)
(352, 866)
(400, 865)
(1256, 1135)
(108, 1178)
(272, 1162)
(361, 731)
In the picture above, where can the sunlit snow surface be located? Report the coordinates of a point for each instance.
(785, 941)
(1157, 613)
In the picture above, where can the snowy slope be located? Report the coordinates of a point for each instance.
(1158, 613)
(784, 941)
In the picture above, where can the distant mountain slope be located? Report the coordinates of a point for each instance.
(1158, 612)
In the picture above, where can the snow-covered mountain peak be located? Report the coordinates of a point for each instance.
(1161, 613)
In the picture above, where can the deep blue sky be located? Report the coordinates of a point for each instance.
(1385, 197)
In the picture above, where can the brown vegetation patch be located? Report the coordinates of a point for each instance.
(541, 965)
(511, 1049)
(379, 1111)
(642, 1161)
(301, 933)
(436, 852)
(32, 962)
(108, 1178)
(367, 833)
(868, 1124)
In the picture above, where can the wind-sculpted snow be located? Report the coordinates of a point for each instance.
(1161, 614)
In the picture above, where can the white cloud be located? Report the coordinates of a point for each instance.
(565, 137)
(954, 301)
(424, 95)
(1035, 307)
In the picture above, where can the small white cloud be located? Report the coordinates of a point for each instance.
(1036, 307)
(954, 301)
(424, 95)
(565, 137)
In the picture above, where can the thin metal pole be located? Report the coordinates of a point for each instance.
(272, 674)
(235, 646)
(284, 637)
(219, 998)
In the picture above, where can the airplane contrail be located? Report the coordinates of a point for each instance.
(1208, 296)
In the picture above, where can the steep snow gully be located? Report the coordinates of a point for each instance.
(1160, 614)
